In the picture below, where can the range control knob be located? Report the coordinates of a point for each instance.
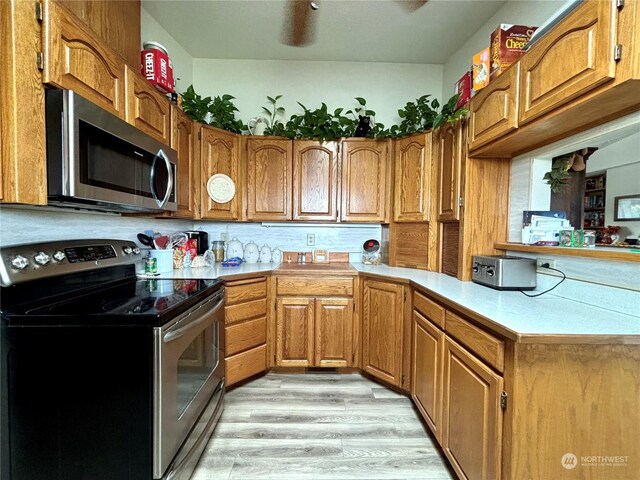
(476, 268)
(136, 250)
(59, 256)
(42, 258)
(490, 272)
(127, 250)
(19, 262)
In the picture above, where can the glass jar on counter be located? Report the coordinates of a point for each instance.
(217, 248)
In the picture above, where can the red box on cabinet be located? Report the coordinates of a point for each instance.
(157, 69)
(463, 88)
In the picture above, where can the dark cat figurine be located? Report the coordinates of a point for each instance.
(364, 127)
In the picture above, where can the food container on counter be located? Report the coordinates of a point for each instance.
(164, 259)
(371, 254)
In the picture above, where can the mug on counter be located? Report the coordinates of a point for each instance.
(164, 259)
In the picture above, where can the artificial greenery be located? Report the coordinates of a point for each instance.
(321, 124)
(559, 173)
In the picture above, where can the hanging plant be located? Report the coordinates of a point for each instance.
(194, 105)
(559, 173)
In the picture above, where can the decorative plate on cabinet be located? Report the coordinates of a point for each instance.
(221, 188)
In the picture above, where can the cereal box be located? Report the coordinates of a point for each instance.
(480, 69)
(463, 88)
(507, 42)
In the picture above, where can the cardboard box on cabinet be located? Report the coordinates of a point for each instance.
(463, 88)
(480, 70)
(507, 43)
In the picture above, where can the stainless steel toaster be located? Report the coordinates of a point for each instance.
(504, 272)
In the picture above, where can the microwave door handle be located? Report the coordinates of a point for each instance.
(179, 332)
(169, 187)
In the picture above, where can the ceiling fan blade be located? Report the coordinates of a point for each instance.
(411, 6)
(299, 28)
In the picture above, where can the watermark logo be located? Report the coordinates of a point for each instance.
(569, 461)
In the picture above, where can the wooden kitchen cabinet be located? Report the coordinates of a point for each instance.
(77, 59)
(294, 332)
(23, 163)
(246, 332)
(569, 61)
(184, 140)
(315, 180)
(412, 178)
(333, 332)
(269, 178)
(383, 331)
(472, 415)
(146, 108)
(451, 146)
(219, 153)
(366, 175)
(494, 111)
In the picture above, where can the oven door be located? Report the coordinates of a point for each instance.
(188, 368)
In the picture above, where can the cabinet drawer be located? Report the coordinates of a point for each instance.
(243, 336)
(245, 311)
(429, 309)
(244, 365)
(245, 291)
(483, 344)
(336, 286)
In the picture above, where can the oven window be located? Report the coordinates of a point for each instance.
(196, 364)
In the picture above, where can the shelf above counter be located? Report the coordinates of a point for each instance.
(631, 254)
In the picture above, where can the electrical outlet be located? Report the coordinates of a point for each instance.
(311, 239)
(541, 261)
(224, 236)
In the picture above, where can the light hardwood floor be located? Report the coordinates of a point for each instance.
(320, 426)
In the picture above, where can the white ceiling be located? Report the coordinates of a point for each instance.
(346, 30)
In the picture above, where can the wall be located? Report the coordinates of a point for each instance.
(386, 87)
(151, 30)
(27, 225)
(518, 12)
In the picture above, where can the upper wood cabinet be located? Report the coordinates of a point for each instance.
(184, 140)
(570, 60)
(412, 178)
(450, 153)
(146, 108)
(219, 153)
(23, 165)
(333, 332)
(365, 181)
(116, 23)
(315, 180)
(382, 330)
(472, 417)
(268, 170)
(77, 59)
(494, 111)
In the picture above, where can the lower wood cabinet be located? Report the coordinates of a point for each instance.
(314, 332)
(383, 331)
(471, 414)
(245, 339)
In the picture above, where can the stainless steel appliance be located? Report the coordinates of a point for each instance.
(504, 272)
(97, 160)
(104, 375)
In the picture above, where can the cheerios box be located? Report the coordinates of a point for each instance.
(480, 70)
(507, 43)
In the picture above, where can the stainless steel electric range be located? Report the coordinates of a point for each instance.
(105, 376)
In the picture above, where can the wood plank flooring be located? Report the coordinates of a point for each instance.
(320, 426)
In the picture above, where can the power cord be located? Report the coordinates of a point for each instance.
(546, 265)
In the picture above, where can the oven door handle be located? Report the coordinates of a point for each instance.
(172, 335)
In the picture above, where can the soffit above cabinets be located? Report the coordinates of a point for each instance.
(345, 30)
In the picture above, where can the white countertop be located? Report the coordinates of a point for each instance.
(508, 312)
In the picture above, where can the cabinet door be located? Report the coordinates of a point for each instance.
(472, 416)
(412, 180)
(333, 332)
(382, 330)
(315, 180)
(294, 332)
(365, 183)
(145, 108)
(569, 61)
(184, 142)
(219, 153)
(426, 375)
(449, 159)
(268, 179)
(77, 59)
(494, 111)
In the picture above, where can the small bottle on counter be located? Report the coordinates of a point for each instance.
(150, 265)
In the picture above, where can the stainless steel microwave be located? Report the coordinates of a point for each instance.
(98, 161)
